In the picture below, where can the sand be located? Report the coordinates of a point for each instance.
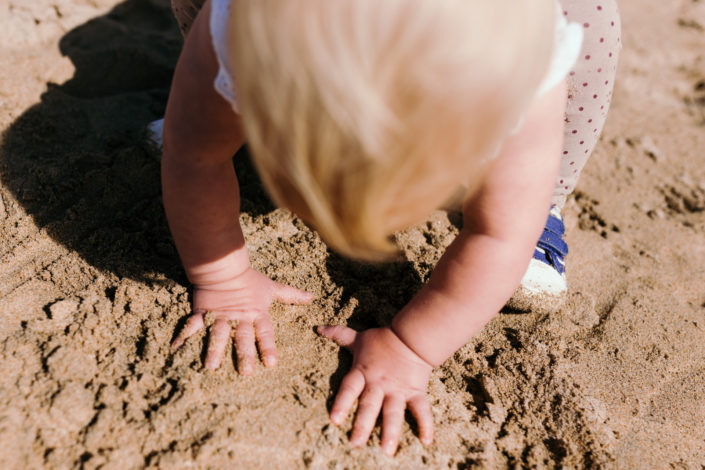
(91, 291)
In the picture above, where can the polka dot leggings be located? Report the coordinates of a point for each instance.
(185, 12)
(590, 86)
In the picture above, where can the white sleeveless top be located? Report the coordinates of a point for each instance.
(568, 41)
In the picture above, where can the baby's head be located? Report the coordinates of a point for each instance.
(363, 116)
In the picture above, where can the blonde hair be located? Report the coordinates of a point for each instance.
(363, 116)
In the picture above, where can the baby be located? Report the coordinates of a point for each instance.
(362, 118)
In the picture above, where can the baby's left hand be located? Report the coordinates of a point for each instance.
(387, 376)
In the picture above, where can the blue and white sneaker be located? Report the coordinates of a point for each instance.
(153, 135)
(546, 272)
(544, 285)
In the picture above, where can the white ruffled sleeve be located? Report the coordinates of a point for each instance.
(566, 49)
(224, 83)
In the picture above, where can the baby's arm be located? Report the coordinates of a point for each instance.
(472, 281)
(201, 196)
(201, 199)
(501, 224)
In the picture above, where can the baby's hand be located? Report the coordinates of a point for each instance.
(387, 376)
(245, 300)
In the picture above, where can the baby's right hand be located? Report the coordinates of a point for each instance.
(244, 299)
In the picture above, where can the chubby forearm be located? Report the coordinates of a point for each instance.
(200, 190)
(202, 207)
(471, 283)
(502, 223)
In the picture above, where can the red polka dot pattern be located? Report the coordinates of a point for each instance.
(590, 84)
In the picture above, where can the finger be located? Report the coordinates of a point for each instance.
(245, 347)
(194, 324)
(350, 388)
(219, 336)
(422, 413)
(342, 335)
(265, 339)
(367, 411)
(291, 295)
(392, 419)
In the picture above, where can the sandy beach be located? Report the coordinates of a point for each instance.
(92, 292)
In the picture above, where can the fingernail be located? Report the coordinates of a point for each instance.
(337, 417)
(211, 365)
(388, 448)
(270, 361)
(426, 441)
